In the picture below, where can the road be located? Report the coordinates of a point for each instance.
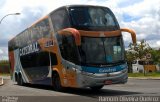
(134, 87)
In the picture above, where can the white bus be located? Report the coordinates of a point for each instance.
(139, 66)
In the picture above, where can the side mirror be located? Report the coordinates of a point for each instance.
(133, 34)
(74, 32)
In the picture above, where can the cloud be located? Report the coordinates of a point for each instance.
(126, 3)
(1, 51)
(154, 43)
(143, 16)
(158, 43)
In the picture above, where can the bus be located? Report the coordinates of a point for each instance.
(78, 46)
(143, 66)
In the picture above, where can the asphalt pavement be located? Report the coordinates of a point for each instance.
(134, 87)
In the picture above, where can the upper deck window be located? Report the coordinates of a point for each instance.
(60, 19)
(94, 18)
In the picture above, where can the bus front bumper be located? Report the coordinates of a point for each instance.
(90, 79)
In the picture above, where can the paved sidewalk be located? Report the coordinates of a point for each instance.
(1, 81)
(145, 78)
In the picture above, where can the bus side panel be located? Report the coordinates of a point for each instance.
(18, 69)
(39, 75)
(37, 65)
(12, 61)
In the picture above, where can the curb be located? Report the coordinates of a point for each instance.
(1, 81)
(145, 78)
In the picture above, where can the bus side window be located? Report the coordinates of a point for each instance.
(34, 33)
(46, 28)
(60, 19)
(53, 59)
(42, 59)
(68, 48)
(40, 30)
(61, 45)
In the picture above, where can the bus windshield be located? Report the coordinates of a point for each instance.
(93, 18)
(103, 51)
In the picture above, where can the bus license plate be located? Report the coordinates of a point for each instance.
(108, 82)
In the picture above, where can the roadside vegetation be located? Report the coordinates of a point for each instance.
(4, 62)
(153, 74)
(4, 67)
(140, 51)
(4, 74)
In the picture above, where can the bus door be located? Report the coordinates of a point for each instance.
(70, 57)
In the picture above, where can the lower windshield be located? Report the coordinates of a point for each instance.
(101, 50)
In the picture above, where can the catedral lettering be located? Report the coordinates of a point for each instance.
(107, 70)
(29, 49)
(79, 46)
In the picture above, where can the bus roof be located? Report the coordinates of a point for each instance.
(39, 20)
(67, 6)
(44, 17)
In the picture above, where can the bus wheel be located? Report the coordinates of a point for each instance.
(56, 82)
(96, 87)
(20, 80)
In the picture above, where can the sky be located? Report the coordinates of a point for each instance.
(143, 16)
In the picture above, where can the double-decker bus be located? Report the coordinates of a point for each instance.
(73, 46)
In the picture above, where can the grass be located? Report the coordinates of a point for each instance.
(153, 74)
(4, 74)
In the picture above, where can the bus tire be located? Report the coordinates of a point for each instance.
(56, 82)
(16, 77)
(96, 88)
(20, 80)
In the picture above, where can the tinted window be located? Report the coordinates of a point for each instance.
(60, 19)
(105, 50)
(38, 59)
(68, 48)
(31, 35)
(40, 30)
(93, 18)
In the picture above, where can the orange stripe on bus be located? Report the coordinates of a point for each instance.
(100, 33)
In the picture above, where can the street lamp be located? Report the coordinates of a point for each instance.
(8, 15)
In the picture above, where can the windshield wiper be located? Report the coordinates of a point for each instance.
(116, 63)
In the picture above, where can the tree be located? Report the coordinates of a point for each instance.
(141, 49)
(156, 56)
(4, 62)
(137, 51)
(4, 66)
(130, 58)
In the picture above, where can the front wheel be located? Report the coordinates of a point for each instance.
(20, 80)
(56, 82)
(97, 87)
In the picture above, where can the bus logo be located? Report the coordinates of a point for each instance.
(29, 49)
(107, 70)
